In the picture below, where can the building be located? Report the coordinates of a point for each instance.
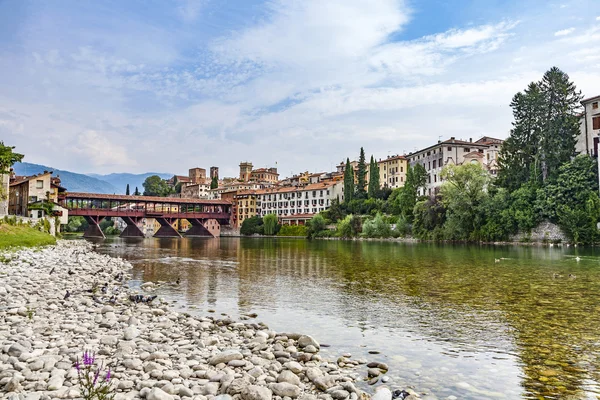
(214, 173)
(245, 171)
(268, 175)
(292, 201)
(244, 206)
(232, 188)
(392, 172)
(197, 175)
(24, 190)
(4, 188)
(196, 191)
(587, 141)
(435, 158)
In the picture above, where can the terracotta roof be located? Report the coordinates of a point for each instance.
(489, 140)
(392, 158)
(171, 200)
(590, 99)
(20, 179)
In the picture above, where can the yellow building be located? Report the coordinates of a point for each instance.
(244, 206)
(392, 172)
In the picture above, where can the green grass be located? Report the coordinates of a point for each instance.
(23, 236)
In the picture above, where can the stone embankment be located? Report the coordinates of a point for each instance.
(58, 301)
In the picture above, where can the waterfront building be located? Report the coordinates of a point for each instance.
(434, 158)
(244, 206)
(268, 175)
(392, 172)
(196, 191)
(587, 141)
(292, 201)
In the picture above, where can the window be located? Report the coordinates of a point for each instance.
(434, 164)
(449, 148)
(596, 123)
(40, 184)
(594, 105)
(467, 150)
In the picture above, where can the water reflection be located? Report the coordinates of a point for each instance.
(470, 321)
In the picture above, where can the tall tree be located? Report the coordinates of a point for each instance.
(407, 197)
(214, 183)
(348, 182)
(155, 186)
(7, 158)
(127, 190)
(137, 192)
(544, 131)
(373, 179)
(361, 181)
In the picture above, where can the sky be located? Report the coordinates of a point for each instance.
(167, 85)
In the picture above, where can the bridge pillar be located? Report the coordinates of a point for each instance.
(93, 230)
(198, 228)
(166, 227)
(132, 229)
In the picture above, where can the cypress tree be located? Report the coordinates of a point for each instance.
(127, 190)
(348, 182)
(361, 176)
(137, 192)
(373, 179)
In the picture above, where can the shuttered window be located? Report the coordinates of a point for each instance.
(596, 123)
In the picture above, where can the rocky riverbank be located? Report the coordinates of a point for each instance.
(58, 301)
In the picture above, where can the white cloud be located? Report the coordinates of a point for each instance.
(190, 9)
(598, 18)
(97, 148)
(564, 32)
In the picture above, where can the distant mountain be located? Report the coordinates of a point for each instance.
(72, 181)
(120, 181)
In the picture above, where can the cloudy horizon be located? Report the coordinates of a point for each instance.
(142, 86)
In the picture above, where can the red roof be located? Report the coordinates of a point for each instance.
(590, 99)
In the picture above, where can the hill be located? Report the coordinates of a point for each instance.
(72, 181)
(120, 180)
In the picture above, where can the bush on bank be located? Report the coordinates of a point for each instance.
(292, 230)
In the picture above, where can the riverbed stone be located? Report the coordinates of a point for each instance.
(226, 356)
(284, 389)
(255, 392)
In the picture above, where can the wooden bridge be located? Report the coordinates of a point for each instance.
(95, 207)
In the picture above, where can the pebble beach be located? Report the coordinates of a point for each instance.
(57, 302)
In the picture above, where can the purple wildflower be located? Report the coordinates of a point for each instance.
(107, 377)
(77, 366)
(88, 358)
(96, 376)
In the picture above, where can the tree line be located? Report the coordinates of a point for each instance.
(541, 177)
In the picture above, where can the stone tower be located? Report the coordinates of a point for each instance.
(245, 170)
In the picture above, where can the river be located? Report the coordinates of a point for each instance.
(474, 322)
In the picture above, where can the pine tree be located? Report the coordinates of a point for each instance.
(137, 192)
(544, 131)
(214, 183)
(361, 176)
(373, 179)
(348, 182)
(127, 190)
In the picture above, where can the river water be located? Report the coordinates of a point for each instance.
(475, 322)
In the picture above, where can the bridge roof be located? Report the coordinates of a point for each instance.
(148, 199)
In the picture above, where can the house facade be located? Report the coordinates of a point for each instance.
(392, 172)
(24, 190)
(435, 158)
(587, 141)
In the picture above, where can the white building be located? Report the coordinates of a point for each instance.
(309, 199)
(435, 158)
(587, 141)
(196, 191)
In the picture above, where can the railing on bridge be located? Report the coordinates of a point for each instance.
(166, 210)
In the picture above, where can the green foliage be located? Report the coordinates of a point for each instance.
(406, 197)
(316, 225)
(155, 186)
(429, 218)
(137, 192)
(20, 235)
(7, 158)
(373, 191)
(544, 131)
(361, 178)
(376, 228)
(252, 225)
(76, 224)
(348, 182)
(270, 223)
(127, 190)
(293, 230)
(349, 227)
(214, 183)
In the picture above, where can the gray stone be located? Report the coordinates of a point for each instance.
(223, 397)
(382, 393)
(56, 382)
(186, 392)
(225, 357)
(130, 333)
(285, 389)
(109, 340)
(16, 349)
(211, 388)
(306, 340)
(310, 349)
(373, 372)
(339, 394)
(158, 394)
(295, 367)
(289, 377)
(125, 385)
(324, 382)
(254, 392)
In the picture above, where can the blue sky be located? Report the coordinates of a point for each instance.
(113, 86)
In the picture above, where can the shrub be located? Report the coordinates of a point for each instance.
(292, 230)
